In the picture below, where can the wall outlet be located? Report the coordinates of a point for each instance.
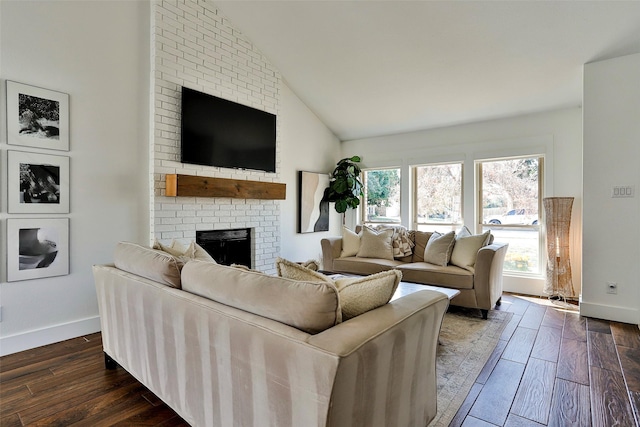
(612, 288)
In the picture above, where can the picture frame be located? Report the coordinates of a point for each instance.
(37, 117)
(37, 248)
(313, 211)
(37, 183)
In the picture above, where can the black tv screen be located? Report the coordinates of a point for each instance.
(222, 133)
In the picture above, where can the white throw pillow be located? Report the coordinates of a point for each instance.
(439, 248)
(375, 244)
(466, 249)
(350, 242)
(358, 295)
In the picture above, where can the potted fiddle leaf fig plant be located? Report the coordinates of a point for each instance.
(345, 187)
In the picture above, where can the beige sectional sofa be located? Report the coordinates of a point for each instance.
(227, 347)
(478, 276)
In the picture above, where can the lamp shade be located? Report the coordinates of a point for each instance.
(557, 212)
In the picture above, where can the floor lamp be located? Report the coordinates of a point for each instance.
(559, 284)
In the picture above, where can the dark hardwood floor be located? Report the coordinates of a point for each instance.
(550, 367)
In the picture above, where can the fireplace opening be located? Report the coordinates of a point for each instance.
(227, 246)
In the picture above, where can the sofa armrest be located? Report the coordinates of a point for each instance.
(488, 274)
(331, 249)
(391, 348)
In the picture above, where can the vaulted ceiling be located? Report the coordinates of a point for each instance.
(369, 68)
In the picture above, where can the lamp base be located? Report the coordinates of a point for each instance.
(561, 301)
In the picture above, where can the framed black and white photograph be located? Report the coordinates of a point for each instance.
(312, 209)
(37, 117)
(37, 183)
(37, 248)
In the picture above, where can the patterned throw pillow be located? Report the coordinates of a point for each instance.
(357, 295)
(295, 271)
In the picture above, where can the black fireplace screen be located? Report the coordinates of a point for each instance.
(227, 246)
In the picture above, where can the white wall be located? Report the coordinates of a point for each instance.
(611, 153)
(74, 47)
(310, 147)
(555, 134)
(98, 53)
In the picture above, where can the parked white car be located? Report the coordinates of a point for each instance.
(515, 216)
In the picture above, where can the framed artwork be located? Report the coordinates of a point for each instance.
(37, 248)
(313, 212)
(37, 117)
(37, 183)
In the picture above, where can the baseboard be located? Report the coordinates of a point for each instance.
(32, 339)
(609, 312)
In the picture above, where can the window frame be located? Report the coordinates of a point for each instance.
(363, 200)
(480, 226)
(414, 198)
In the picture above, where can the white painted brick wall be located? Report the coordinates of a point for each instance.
(196, 47)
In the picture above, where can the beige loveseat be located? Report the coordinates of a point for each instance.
(479, 278)
(228, 347)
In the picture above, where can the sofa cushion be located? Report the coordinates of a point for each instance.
(361, 294)
(147, 262)
(350, 242)
(295, 271)
(466, 249)
(449, 276)
(309, 306)
(376, 244)
(420, 239)
(363, 266)
(439, 248)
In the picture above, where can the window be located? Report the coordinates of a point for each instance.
(381, 196)
(511, 195)
(438, 197)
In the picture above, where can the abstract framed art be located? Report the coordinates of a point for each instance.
(313, 212)
(37, 248)
(37, 183)
(37, 117)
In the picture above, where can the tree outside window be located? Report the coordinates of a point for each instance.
(438, 197)
(382, 196)
(511, 193)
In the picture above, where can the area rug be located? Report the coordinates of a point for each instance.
(466, 342)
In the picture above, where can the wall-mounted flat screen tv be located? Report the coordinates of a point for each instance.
(222, 133)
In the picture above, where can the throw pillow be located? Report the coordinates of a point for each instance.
(466, 249)
(350, 242)
(420, 238)
(463, 232)
(376, 244)
(193, 251)
(439, 248)
(198, 252)
(358, 295)
(295, 271)
(176, 248)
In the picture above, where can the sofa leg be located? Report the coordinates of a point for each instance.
(109, 363)
(499, 302)
(485, 314)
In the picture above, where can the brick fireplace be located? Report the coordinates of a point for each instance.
(193, 45)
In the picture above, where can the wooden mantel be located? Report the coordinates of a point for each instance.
(205, 186)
